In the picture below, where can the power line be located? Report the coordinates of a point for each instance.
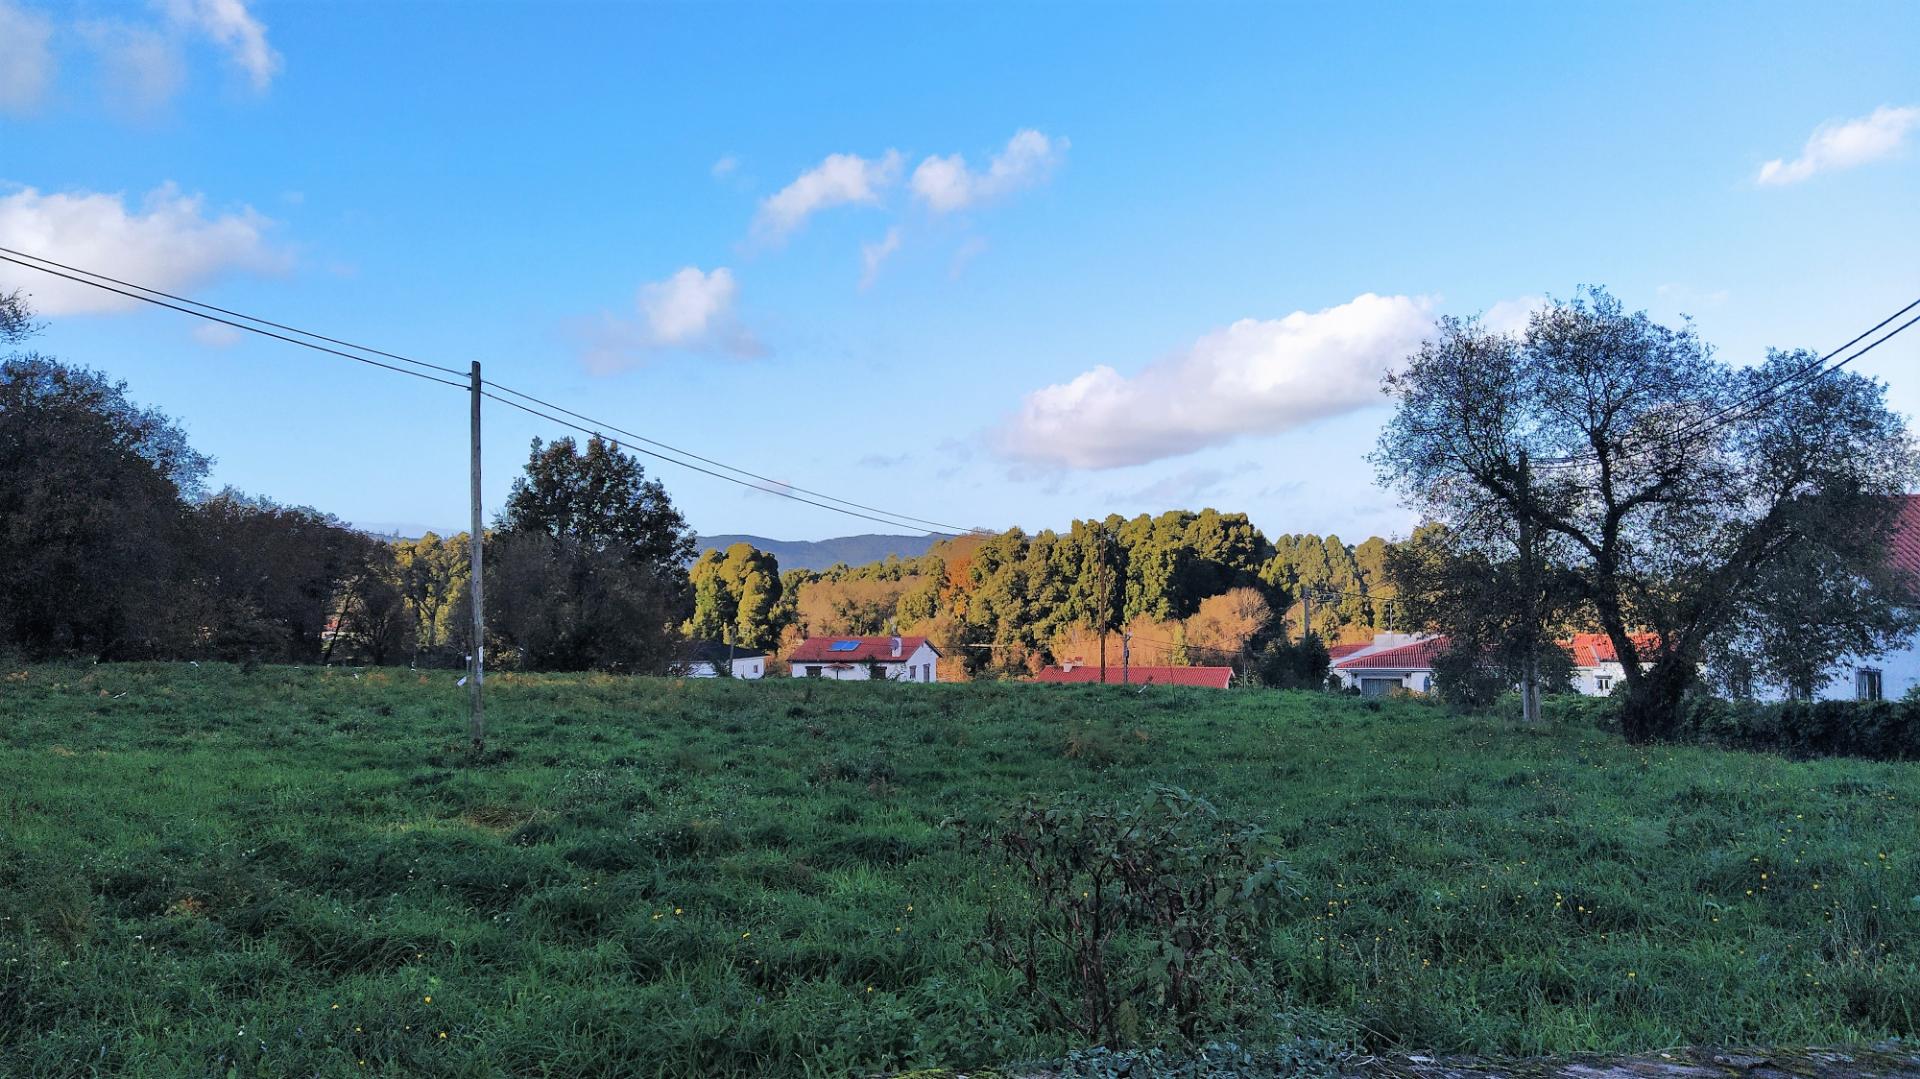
(1761, 398)
(237, 325)
(237, 314)
(241, 321)
(592, 432)
(958, 529)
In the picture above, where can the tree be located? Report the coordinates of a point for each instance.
(602, 500)
(431, 574)
(272, 577)
(1814, 605)
(1502, 619)
(1672, 482)
(563, 604)
(1226, 626)
(735, 596)
(92, 509)
(375, 620)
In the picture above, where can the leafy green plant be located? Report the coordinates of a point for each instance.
(1134, 915)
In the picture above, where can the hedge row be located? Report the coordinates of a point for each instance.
(1878, 730)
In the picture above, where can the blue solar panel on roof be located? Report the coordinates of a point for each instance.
(844, 646)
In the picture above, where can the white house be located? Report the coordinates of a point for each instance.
(1393, 661)
(1894, 673)
(705, 659)
(857, 659)
(1597, 670)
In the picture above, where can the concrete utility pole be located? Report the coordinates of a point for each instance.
(476, 673)
(1126, 659)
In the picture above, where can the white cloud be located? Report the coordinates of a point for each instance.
(946, 184)
(168, 242)
(873, 254)
(234, 28)
(26, 60)
(692, 310)
(724, 167)
(1253, 377)
(839, 180)
(216, 334)
(1843, 144)
(1511, 316)
(685, 307)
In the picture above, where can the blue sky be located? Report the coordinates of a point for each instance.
(1176, 249)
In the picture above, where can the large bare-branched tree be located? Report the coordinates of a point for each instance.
(1668, 486)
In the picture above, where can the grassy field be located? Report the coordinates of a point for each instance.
(208, 872)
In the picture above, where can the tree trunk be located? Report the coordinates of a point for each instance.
(1652, 707)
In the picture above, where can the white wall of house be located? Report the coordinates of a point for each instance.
(1898, 672)
(1599, 679)
(1377, 683)
(755, 667)
(921, 665)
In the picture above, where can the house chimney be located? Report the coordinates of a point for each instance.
(896, 646)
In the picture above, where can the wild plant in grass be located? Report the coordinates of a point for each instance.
(1149, 916)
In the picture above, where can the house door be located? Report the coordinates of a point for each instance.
(1378, 687)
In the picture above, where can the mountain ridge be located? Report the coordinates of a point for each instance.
(820, 554)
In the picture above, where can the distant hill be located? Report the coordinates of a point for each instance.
(819, 554)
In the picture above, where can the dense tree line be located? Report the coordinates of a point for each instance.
(111, 547)
(1206, 587)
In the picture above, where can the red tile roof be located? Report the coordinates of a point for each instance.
(1211, 677)
(1592, 649)
(870, 650)
(1905, 552)
(1417, 656)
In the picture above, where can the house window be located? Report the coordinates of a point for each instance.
(1603, 683)
(926, 672)
(1866, 684)
(813, 672)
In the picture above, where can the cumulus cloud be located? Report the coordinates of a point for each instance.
(685, 307)
(946, 184)
(839, 180)
(1252, 377)
(233, 28)
(692, 310)
(724, 167)
(1844, 144)
(1512, 316)
(169, 241)
(26, 58)
(873, 254)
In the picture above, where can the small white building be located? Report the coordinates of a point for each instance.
(1391, 662)
(1894, 673)
(860, 659)
(706, 659)
(1597, 670)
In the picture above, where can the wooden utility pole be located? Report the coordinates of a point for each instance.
(1126, 659)
(1306, 615)
(1530, 585)
(476, 673)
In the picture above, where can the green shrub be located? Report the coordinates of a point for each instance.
(1134, 918)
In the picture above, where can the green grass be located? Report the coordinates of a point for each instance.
(204, 872)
